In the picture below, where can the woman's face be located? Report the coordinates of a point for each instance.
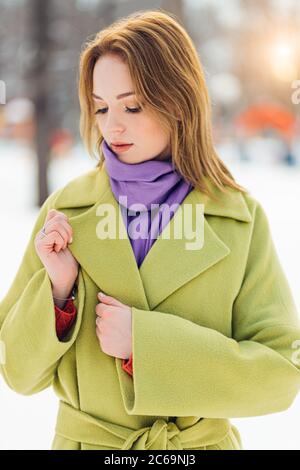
(115, 119)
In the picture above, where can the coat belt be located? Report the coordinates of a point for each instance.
(82, 427)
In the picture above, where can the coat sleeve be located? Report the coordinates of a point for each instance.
(30, 348)
(185, 369)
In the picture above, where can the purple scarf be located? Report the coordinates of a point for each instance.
(143, 184)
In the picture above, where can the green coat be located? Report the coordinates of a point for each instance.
(214, 330)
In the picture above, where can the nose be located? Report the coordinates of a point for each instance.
(114, 125)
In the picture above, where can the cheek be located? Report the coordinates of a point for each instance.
(150, 124)
(139, 126)
(147, 128)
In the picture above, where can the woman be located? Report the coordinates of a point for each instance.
(210, 324)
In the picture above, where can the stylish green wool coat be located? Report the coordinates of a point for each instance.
(215, 331)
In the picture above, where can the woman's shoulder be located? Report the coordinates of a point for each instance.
(260, 223)
(255, 206)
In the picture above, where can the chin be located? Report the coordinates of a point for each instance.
(128, 159)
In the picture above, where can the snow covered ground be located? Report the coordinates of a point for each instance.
(29, 422)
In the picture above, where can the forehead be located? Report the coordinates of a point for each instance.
(111, 77)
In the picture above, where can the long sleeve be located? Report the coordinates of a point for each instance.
(198, 371)
(28, 337)
(127, 365)
(64, 318)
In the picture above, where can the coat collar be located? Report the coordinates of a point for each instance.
(111, 262)
(88, 188)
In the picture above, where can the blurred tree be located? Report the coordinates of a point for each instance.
(39, 87)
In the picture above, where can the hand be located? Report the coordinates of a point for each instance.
(51, 247)
(113, 327)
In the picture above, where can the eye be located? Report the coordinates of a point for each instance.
(128, 110)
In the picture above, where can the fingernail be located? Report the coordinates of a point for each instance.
(101, 294)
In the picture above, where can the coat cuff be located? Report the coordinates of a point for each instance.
(31, 362)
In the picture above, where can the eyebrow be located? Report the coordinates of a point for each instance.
(122, 95)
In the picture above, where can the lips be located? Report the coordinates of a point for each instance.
(119, 144)
(121, 148)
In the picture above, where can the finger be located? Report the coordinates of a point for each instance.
(67, 227)
(57, 216)
(99, 331)
(58, 241)
(60, 216)
(51, 241)
(100, 310)
(62, 227)
(107, 299)
(62, 232)
(53, 212)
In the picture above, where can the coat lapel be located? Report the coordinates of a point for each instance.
(111, 263)
(170, 264)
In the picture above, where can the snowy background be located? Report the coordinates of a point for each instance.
(29, 422)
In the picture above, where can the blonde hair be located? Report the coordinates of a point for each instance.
(168, 76)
